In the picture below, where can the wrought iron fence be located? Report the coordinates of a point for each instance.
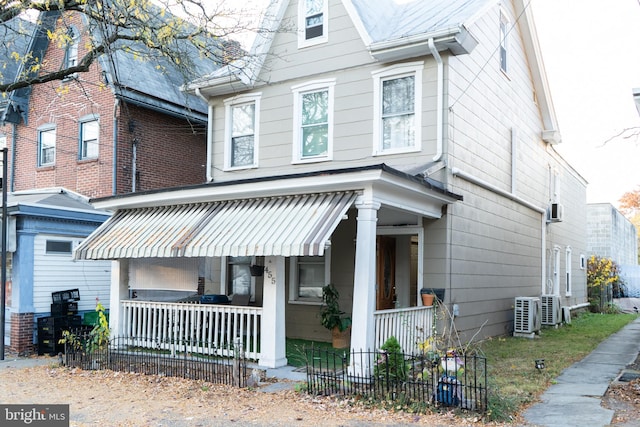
(118, 354)
(455, 381)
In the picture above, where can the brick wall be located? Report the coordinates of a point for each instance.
(22, 326)
(170, 153)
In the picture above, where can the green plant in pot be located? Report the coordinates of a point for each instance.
(333, 318)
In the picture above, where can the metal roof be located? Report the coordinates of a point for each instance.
(286, 226)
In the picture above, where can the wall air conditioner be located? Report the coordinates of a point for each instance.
(550, 309)
(526, 316)
(556, 212)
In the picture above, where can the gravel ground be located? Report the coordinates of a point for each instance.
(107, 398)
(100, 398)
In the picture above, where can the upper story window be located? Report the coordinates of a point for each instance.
(312, 22)
(504, 40)
(71, 48)
(313, 115)
(241, 136)
(89, 132)
(46, 146)
(3, 141)
(397, 109)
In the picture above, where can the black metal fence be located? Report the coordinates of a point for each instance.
(457, 381)
(118, 354)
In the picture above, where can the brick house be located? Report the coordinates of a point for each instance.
(123, 126)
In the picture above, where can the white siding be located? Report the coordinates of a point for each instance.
(59, 272)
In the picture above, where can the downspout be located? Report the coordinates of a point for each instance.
(209, 176)
(439, 102)
(14, 143)
(114, 172)
(542, 211)
(134, 169)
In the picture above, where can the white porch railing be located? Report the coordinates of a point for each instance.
(410, 326)
(196, 328)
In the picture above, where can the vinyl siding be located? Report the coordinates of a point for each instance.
(59, 272)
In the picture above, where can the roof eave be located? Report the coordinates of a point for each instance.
(457, 40)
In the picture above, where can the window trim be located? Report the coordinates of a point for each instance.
(47, 251)
(302, 18)
(229, 105)
(503, 48)
(391, 73)
(42, 130)
(82, 122)
(568, 272)
(298, 92)
(3, 141)
(223, 279)
(294, 285)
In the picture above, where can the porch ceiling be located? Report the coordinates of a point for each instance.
(286, 226)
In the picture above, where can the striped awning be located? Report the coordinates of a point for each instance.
(286, 226)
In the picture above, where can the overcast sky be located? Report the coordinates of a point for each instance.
(592, 58)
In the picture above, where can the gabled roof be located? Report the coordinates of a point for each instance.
(395, 30)
(151, 84)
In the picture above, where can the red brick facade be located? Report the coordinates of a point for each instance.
(170, 151)
(22, 327)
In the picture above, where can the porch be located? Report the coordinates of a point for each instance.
(221, 330)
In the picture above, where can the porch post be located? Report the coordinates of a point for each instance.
(364, 286)
(119, 290)
(272, 326)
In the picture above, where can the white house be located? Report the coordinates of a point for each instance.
(383, 148)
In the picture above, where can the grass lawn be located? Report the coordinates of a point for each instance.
(514, 380)
(295, 350)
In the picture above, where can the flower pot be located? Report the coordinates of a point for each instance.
(256, 270)
(341, 339)
(427, 299)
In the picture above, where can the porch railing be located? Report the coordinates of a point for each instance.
(410, 326)
(202, 328)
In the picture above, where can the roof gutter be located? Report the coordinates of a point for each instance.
(439, 101)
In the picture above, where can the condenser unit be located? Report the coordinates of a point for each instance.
(550, 309)
(526, 316)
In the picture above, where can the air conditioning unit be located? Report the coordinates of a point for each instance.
(550, 309)
(526, 316)
(556, 212)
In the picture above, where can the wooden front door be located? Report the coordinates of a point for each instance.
(386, 273)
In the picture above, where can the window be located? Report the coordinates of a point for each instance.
(308, 274)
(504, 32)
(242, 131)
(89, 131)
(397, 108)
(58, 247)
(568, 271)
(313, 112)
(312, 22)
(556, 270)
(238, 276)
(46, 146)
(71, 52)
(3, 141)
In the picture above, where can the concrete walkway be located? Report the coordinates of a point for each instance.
(576, 397)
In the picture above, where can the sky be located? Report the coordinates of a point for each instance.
(591, 53)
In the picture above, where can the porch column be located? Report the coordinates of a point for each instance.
(272, 326)
(119, 291)
(364, 285)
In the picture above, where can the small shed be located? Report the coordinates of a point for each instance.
(44, 227)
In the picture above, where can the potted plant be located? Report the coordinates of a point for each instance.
(333, 318)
